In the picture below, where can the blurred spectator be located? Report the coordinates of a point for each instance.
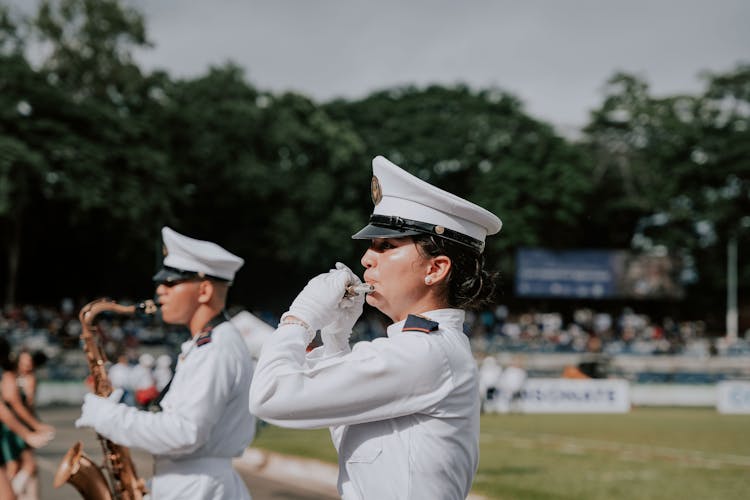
(573, 372)
(26, 483)
(594, 366)
(254, 331)
(20, 465)
(144, 384)
(489, 378)
(163, 371)
(510, 384)
(120, 378)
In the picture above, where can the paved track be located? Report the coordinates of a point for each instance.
(49, 457)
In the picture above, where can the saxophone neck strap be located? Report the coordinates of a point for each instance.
(214, 322)
(155, 405)
(204, 335)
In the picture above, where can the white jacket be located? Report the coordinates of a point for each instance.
(204, 423)
(403, 410)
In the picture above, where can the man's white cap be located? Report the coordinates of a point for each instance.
(146, 360)
(186, 257)
(164, 361)
(406, 205)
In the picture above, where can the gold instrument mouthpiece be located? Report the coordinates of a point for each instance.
(361, 289)
(147, 307)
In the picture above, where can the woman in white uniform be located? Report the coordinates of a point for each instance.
(403, 410)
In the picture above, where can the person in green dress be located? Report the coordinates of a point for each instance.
(19, 429)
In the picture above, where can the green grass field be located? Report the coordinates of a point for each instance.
(649, 453)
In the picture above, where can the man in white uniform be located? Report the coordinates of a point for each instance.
(204, 420)
(510, 384)
(489, 375)
(403, 410)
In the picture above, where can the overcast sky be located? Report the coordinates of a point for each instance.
(555, 55)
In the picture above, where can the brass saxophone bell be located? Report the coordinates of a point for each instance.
(80, 471)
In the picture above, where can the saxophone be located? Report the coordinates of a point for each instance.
(77, 468)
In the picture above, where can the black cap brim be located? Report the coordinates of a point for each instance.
(167, 274)
(372, 231)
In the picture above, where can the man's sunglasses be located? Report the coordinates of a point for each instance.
(174, 282)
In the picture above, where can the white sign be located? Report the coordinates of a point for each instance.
(733, 397)
(551, 395)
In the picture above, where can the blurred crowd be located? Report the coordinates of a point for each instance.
(55, 331)
(588, 330)
(140, 383)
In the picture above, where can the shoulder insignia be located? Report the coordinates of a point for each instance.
(203, 340)
(416, 323)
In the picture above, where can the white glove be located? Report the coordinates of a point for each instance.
(316, 304)
(95, 408)
(336, 335)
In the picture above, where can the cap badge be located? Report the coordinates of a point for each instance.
(439, 229)
(375, 191)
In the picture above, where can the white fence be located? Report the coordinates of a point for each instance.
(550, 395)
(733, 397)
(546, 395)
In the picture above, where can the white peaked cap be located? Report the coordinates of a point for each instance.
(203, 257)
(164, 361)
(254, 331)
(399, 194)
(146, 360)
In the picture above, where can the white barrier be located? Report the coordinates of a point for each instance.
(687, 395)
(65, 393)
(549, 395)
(541, 395)
(733, 397)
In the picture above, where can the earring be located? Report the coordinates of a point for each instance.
(428, 280)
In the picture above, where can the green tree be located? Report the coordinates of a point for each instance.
(483, 146)
(21, 167)
(91, 43)
(267, 174)
(672, 172)
(715, 192)
(81, 134)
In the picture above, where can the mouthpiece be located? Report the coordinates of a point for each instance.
(354, 290)
(147, 307)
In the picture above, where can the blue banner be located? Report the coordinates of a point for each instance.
(566, 273)
(595, 274)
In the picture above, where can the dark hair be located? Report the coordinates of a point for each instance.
(39, 359)
(469, 285)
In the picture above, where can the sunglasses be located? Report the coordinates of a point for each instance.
(171, 283)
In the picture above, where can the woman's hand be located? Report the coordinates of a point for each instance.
(335, 336)
(317, 304)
